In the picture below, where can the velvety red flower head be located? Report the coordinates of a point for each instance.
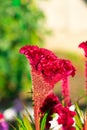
(45, 62)
(83, 45)
(42, 60)
(65, 117)
(48, 105)
(50, 102)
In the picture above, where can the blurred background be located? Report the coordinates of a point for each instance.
(59, 25)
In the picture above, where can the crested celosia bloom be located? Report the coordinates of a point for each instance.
(83, 45)
(45, 62)
(48, 105)
(65, 115)
(47, 69)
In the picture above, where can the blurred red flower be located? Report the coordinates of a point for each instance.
(83, 45)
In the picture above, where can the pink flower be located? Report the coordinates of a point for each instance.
(45, 67)
(3, 123)
(43, 61)
(83, 45)
(65, 117)
(47, 70)
(48, 105)
(46, 63)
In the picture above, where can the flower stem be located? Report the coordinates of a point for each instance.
(36, 115)
(65, 90)
(40, 91)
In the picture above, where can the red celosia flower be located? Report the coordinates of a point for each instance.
(83, 45)
(47, 69)
(45, 62)
(48, 105)
(65, 117)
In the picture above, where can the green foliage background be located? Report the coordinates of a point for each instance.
(21, 23)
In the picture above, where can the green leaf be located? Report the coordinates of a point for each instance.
(78, 118)
(28, 114)
(21, 124)
(43, 122)
(20, 128)
(79, 111)
(27, 123)
(78, 123)
(77, 128)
